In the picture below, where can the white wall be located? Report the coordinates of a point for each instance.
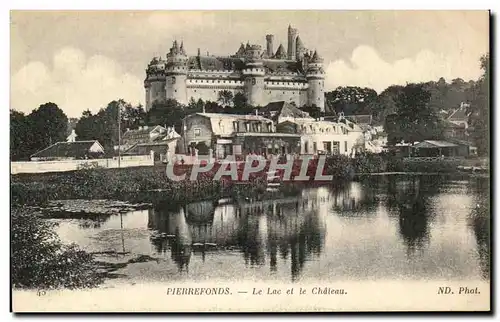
(70, 165)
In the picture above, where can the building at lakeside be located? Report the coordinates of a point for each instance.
(325, 137)
(294, 74)
(70, 150)
(221, 135)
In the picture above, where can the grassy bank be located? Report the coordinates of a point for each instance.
(39, 260)
(135, 184)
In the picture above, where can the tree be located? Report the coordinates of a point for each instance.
(166, 113)
(21, 145)
(48, 125)
(195, 106)
(479, 109)
(414, 120)
(239, 100)
(314, 111)
(133, 116)
(225, 97)
(350, 100)
(385, 104)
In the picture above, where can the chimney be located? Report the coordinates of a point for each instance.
(270, 49)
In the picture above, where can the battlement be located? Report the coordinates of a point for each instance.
(259, 72)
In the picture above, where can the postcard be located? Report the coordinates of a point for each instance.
(250, 161)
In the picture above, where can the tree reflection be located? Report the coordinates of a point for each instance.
(480, 221)
(354, 198)
(409, 199)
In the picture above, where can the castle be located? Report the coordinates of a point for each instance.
(263, 76)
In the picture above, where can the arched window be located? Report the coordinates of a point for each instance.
(173, 80)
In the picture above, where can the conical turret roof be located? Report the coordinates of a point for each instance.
(299, 44)
(316, 58)
(280, 53)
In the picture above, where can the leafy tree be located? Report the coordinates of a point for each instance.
(385, 103)
(479, 109)
(414, 120)
(314, 111)
(350, 100)
(195, 106)
(239, 100)
(21, 139)
(48, 125)
(166, 113)
(132, 116)
(225, 97)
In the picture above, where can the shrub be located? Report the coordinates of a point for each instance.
(40, 260)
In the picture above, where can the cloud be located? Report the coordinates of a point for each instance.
(367, 69)
(74, 82)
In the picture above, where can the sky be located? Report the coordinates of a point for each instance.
(84, 59)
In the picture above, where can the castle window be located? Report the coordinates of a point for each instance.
(253, 81)
(175, 91)
(195, 91)
(173, 80)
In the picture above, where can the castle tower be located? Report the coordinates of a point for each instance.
(254, 75)
(300, 49)
(269, 42)
(292, 39)
(316, 80)
(155, 82)
(176, 74)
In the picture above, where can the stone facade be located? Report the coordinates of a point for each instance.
(261, 75)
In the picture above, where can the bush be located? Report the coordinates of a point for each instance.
(40, 260)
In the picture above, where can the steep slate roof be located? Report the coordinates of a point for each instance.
(215, 63)
(284, 109)
(276, 66)
(143, 131)
(459, 114)
(144, 148)
(360, 119)
(77, 149)
(280, 53)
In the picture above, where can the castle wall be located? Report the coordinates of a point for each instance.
(156, 91)
(208, 89)
(316, 95)
(176, 88)
(299, 97)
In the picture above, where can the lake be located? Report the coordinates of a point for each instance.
(382, 227)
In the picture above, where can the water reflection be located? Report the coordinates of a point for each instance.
(261, 231)
(381, 227)
(479, 220)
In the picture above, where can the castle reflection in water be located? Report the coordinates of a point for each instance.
(262, 231)
(292, 230)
